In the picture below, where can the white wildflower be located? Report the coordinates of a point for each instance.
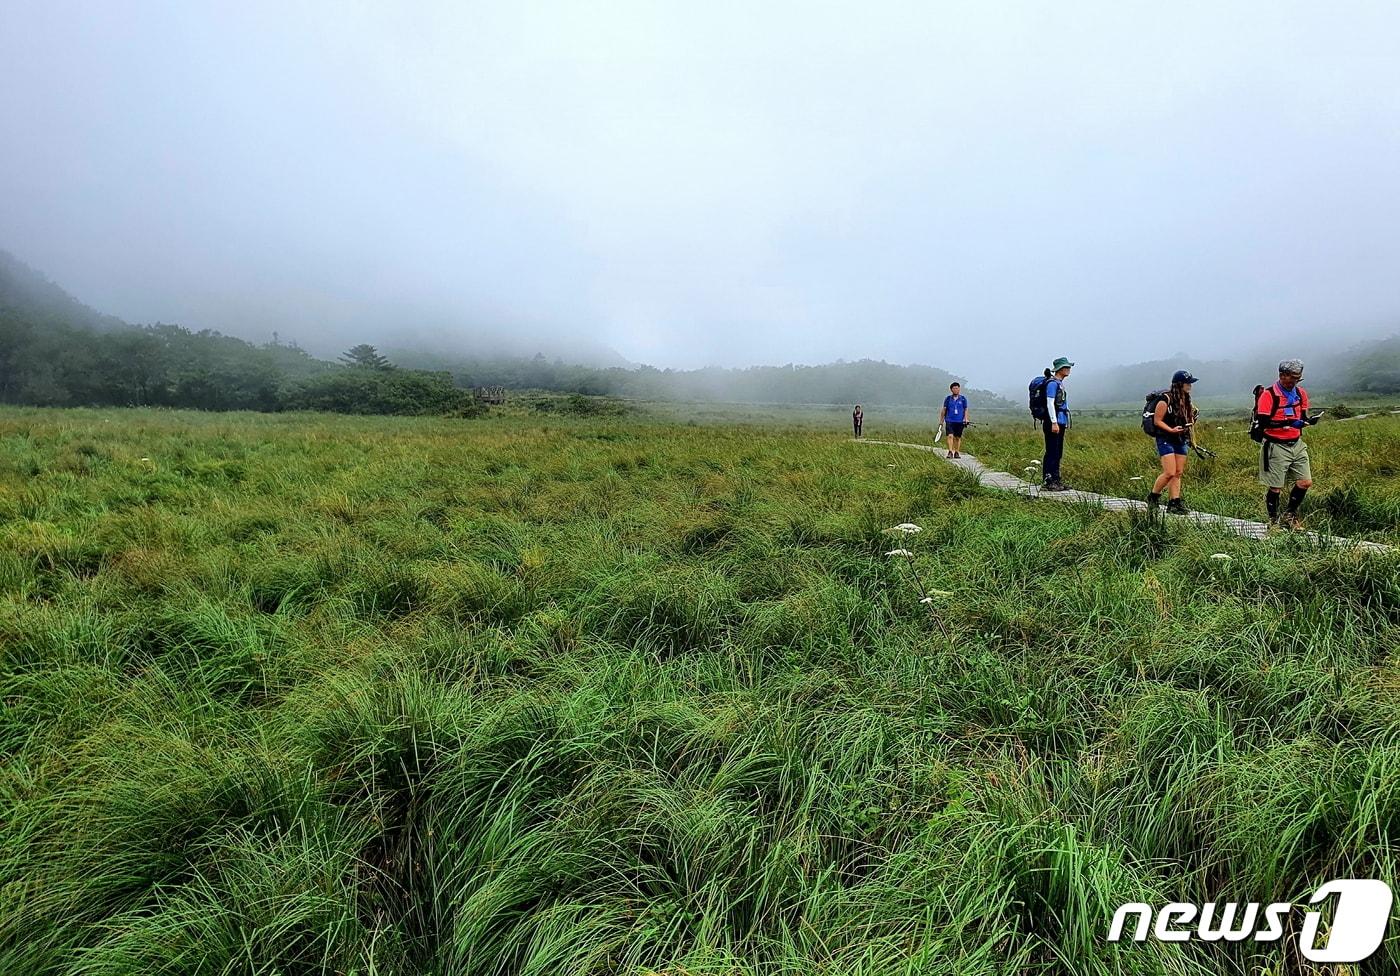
(905, 553)
(1136, 477)
(905, 528)
(1221, 555)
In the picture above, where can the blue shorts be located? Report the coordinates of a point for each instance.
(1168, 445)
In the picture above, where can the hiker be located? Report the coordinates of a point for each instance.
(857, 419)
(953, 417)
(1172, 418)
(1055, 423)
(1280, 414)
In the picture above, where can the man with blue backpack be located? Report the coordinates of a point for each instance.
(1049, 404)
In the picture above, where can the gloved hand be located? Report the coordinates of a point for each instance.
(1312, 420)
(1297, 424)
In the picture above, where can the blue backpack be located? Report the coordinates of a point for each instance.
(1040, 410)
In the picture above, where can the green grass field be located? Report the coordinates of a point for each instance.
(292, 694)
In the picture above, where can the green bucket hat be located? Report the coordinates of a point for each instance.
(1060, 364)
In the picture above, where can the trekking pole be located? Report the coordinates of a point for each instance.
(1201, 452)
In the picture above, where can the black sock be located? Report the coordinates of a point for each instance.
(1295, 498)
(1271, 501)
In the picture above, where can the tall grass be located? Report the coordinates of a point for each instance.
(333, 695)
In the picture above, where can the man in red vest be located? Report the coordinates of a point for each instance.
(1283, 457)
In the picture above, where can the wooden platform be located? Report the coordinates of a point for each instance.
(1009, 482)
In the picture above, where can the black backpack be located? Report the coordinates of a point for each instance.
(1040, 410)
(1149, 413)
(1259, 422)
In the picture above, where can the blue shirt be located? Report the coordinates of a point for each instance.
(955, 408)
(1052, 389)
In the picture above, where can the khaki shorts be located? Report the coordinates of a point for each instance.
(1283, 461)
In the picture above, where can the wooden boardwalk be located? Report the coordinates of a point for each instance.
(1009, 482)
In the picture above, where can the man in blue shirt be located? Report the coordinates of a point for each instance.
(953, 417)
(1057, 407)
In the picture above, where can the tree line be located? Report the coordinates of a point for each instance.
(51, 363)
(55, 351)
(47, 363)
(866, 381)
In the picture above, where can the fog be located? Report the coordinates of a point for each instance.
(976, 186)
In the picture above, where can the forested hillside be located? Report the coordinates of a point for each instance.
(55, 351)
(1367, 367)
(865, 381)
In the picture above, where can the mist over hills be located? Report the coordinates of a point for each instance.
(865, 381)
(1368, 367)
(410, 346)
(57, 351)
(27, 292)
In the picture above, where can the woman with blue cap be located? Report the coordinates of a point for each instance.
(1055, 424)
(1172, 418)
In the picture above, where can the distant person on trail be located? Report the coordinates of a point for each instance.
(857, 419)
(953, 417)
(1172, 418)
(1280, 414)
(1055, 424)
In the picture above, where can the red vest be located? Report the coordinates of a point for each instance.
(1281, 412)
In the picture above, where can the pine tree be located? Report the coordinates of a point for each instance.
(365, 356)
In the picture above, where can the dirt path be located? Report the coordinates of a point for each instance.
(1008, 482)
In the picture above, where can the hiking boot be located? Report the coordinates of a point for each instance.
(1177, 507)
(1291, 521)
(1054, 485)
(1154, 498)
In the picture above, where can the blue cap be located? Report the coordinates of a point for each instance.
(1184, 376)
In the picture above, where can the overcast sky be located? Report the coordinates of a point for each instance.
(980, 185)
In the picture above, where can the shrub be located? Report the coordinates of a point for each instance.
(400, 391)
